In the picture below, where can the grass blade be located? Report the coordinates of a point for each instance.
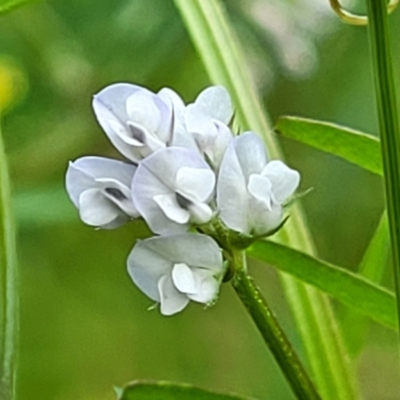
(8, 282)
(351, 289)
(353, 146)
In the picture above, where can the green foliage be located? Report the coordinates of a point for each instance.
(9, 5)
(353, 146)
(143, 390)
(345, 286)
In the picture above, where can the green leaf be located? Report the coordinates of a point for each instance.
(8, 284)
(145, 390)
(351, 289)
(372, 268)
(353, 146)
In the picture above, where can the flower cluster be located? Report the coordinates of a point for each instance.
(185, 174)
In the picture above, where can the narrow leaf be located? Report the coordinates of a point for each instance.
(8, 285)
(351, 289)
(353, 146)
(144, 390)
(372, 268)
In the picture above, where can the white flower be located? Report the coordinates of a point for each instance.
(100, 189)
(251, 190)
(207, 118)
(172, 188)
(139, 122)
(172, 270)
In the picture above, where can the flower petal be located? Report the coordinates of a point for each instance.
(172, 301)
(183, 279)
(260, 188)
(171, 208)
(82, 173)
(284, 179)
(251, 153)
(197, 182)
(114, 97)
(200, 213)
(216, 102)
(95, 209)
(142, 110)
(156, 175)
(207, 286)
(232, 196)
(262, 219)
(151, 266)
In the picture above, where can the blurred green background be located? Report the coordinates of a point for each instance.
(84, 326)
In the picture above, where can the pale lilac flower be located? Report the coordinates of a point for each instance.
(139, 122)
(207, 120)
(172, 270)
(100, 189)
(172, 188)
(251, 189)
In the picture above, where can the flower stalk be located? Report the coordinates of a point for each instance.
(388, 124)
(269, 327)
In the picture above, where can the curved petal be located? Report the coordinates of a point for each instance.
(172, 301)
(284, 179)
(200, 213)
(263, 220)
(207, 286)
(171, 208)
(114, 97)
(198, 121)
(260, 188)
(116, 131)
(159, 267)
(146, 265)
(232, 196)
(156, 175)
(142, 110)
(197, 182)
(184, 279)
(251, 153)
(95, 209)
(101, 173)
(180, 136)
(216, 102)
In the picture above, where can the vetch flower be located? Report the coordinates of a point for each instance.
(172, 270)
(138, 121)
(251, 189)
(172, 188)
(100, 189)
(207, 119)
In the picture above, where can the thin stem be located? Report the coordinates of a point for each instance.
(273, 334)
(388, 123)
(8, 300)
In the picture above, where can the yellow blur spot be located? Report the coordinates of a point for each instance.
(13, 83)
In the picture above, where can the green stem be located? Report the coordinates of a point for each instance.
(273, 334)
(222, 57)
(8, 302)
(388, 123)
